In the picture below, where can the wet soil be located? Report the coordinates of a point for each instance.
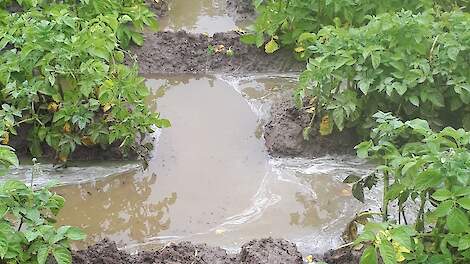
(241, 9)
(183, 52)
(264, 251)
(141, 150)
(284, 134)
(159, 7)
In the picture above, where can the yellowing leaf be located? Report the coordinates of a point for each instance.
(52, 107)
(87, 141)
(271, 46)
(106, 107)
(67, 128)
(6, 138)
(299, 49)
(325, 126)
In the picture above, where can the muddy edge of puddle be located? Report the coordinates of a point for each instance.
(183, 52)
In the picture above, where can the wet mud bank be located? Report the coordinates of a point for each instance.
(159, 7)
(284, 134)
(269, 251)
(241, 9)
(183, 52)
(262, 251)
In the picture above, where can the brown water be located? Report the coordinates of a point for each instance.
(198, 16)
(211, 180)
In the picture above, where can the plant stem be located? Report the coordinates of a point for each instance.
(384, 198)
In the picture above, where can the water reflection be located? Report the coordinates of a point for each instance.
(198, 16)
(118, 208)
(327, 200)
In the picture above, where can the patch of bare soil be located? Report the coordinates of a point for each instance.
(264, 251)
(284, 134)
(183, 52)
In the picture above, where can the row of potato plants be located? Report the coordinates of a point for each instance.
(63, 74)
(369, 65)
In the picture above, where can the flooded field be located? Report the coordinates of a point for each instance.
(211, 180)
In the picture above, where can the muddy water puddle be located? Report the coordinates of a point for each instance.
(198, 16)
(211, 180)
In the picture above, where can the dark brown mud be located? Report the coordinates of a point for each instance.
(345, 255)
(159, 7)
(183, 52)
(264, 251)
(241, 9)
(82, 153)
(284, 134)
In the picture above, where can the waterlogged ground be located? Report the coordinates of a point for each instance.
(211, 179)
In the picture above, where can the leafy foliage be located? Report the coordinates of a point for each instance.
(425, 167)
(62, 74)
(411, 65)
(285, 21)
(27, 231)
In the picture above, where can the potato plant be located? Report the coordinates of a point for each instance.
(281, 22)
(426, 168)
(62, 74)
(411, 65)
(27, 230)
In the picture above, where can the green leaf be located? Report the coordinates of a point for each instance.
(442, 195)
(3, 245)
(394, 191)
(464, 242)
(443, 209)
(62, 255)
(363, 149)
(369, 256)
(464, 202)
(358, 191)
(338, 117)
(457, 221)
(271, 46)
(8, 155)
(427, 179)
(43, 253)
(375, 60)
(75, 233)
(387, 252)
(351, 179)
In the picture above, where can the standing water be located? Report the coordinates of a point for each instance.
(211, 179)
(201, 16)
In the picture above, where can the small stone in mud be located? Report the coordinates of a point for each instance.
(270, 251)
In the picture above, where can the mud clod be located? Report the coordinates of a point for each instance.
(284, 134)
(270, 251)
(183, 52)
